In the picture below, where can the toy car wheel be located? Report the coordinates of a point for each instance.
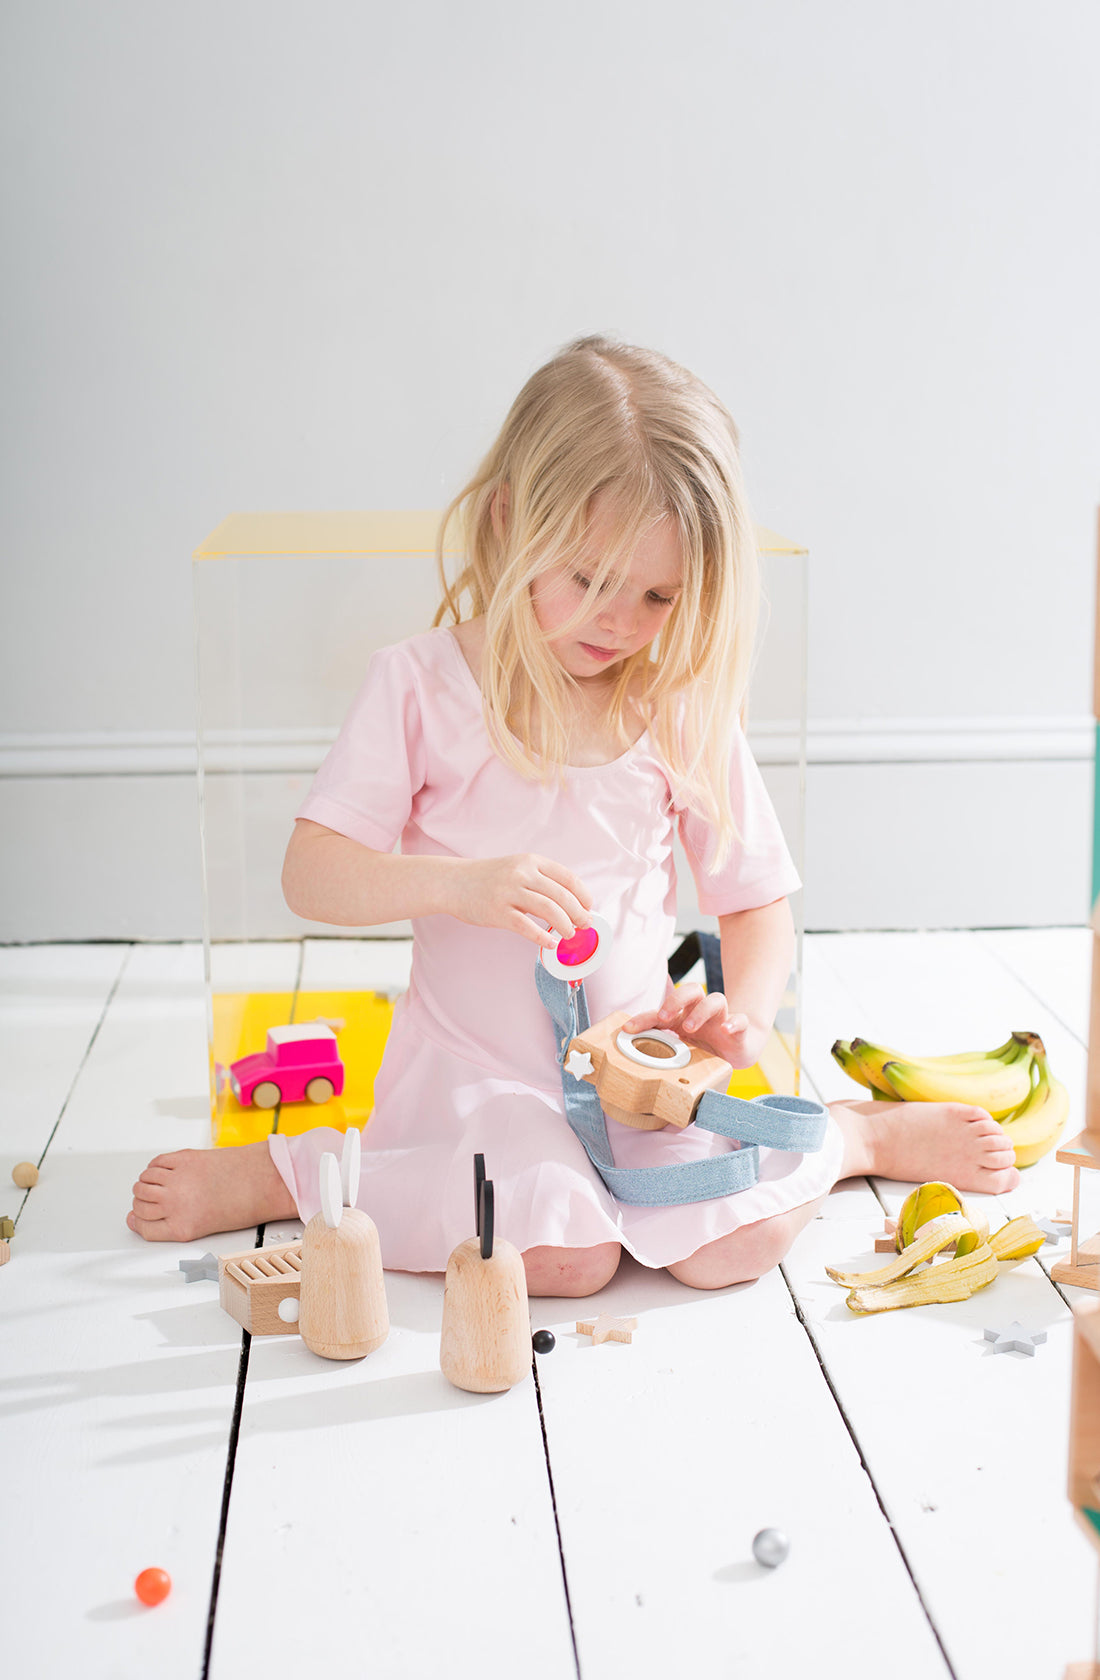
(320, 1090)
(266, 1094)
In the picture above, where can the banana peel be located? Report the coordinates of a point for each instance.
(933, 1225)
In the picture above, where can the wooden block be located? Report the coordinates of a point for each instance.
(5, 1252)
(885, 1245)
(251, 1286)
(1080, 1151)
(647, 1098)
(485, 1344)
(1085, 1277)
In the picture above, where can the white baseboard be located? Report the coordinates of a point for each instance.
(909, 823)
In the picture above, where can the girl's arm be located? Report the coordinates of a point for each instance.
(757, 947)
(328, 877)
(757, 952)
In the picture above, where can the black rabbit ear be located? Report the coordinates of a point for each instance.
(485, 1220)
(479, 1180)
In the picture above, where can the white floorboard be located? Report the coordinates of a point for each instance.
(671, 1453)
(379, 1515)
(117, 1384)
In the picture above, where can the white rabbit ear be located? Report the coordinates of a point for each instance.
(331, 1204)
(349, 1165)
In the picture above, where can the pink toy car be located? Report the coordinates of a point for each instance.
(299, 1064)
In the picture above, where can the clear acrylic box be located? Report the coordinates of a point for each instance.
(288, 610)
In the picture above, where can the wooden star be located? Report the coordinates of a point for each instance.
(1015, 1339)
(607, 1329)
(578, 1063)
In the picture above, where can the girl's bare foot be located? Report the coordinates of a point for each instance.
(915, 1142)
(194, 1192)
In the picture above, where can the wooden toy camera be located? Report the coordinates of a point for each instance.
(645, 1079)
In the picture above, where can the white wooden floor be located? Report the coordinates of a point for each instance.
(595, 1522)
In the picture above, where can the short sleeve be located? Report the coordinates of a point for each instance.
(759, 868)
(366, 785)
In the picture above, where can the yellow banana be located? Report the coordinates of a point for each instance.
(866, 1062)
(842, 1053)
(906, 1282)
(927, 1202)
(950, 1280)
(1018, 1240)
(936, 1234)
(997, 1085)
(1035, 1127)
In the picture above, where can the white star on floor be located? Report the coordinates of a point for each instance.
(204, 1266)
(578, 1063)
(1015, 1339)
(1053, 1229)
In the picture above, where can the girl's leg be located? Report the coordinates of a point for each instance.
(194, 1192)
(570, 1271)
(915, 1142)
(745, 1254)
(910, 1142)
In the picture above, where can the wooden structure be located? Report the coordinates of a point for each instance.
(1084, 1443)
(1082, 1153)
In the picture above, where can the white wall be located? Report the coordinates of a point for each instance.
(270, 255)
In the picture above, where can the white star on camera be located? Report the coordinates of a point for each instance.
(578, 1063)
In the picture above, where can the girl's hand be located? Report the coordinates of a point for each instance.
(517, 893)
(703, 1019)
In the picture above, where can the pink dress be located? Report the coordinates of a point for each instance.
(470, 1062)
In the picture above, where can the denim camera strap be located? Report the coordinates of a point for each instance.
(779, 1122)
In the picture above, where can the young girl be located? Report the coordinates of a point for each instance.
(535, 760)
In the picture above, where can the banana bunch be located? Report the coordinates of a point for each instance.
(1012, 1083)
(933, 1219)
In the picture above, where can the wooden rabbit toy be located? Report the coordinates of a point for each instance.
(485, 1345)
(343, 1312)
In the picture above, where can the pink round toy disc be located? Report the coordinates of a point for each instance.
(571, 952)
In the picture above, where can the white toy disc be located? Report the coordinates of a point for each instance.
(288, 1309)
(349, 1165)
(626, 1042)
(566, 970)
(332, 1204)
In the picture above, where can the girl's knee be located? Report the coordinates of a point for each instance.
(571, 1271)
(741, 1257)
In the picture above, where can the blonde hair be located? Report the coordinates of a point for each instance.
(608, 417)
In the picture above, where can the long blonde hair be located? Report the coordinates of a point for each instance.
(608, 417)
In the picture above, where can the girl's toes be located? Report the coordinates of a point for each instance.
(153, 1230)
(981, 1123)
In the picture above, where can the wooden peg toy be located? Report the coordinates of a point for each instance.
(260, 1289)
(887, 1242)
(645, 1079)
(343, 1299)
(5, 1251)
(485, 1344)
